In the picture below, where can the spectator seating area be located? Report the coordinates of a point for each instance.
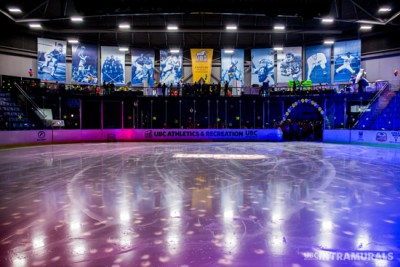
(382, 113)
(11, 116)
(389, 118)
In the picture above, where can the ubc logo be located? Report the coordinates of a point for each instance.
(381, 137)
(201, 56)
(148, 134)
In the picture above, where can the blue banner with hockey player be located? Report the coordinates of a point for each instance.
(289, 64)
(142, 67)
(112, 65)
(262, 66)
(318, 64)
(347, 60)
(232, 67)
(84, 64)
(170, 67)
(51, 60)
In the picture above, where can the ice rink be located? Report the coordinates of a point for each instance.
(244, 204)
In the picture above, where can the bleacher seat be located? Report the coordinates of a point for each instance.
(11, 116)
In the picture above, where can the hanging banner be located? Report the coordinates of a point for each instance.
(318, 64)
(262, 66)
(171, 67)
(51, 60)
(347, 60)
(112, 65)
(201, 64)
(232, 66)
(84, 64)
(289, 63)
(142, 67)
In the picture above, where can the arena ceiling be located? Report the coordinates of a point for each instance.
(202, 23)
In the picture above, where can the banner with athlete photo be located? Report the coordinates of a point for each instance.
(318, 64)
(289, 64)
(142, 67)
(347, 56)
(84, 64)
(232, 67)
(201, 64)
(262, 66)
(51, 60)
(112, 65)
(171, 67)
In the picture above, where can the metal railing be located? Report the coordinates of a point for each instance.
(373, 101)
(34, 106)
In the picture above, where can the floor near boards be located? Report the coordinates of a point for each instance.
(287, 204)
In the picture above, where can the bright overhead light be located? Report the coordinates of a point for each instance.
(174, 50)
(329, 42)
(35, 25)
(327, 20)
(14, 10)
(278, 48)
(172, 27)
(279, 27)
(229, 51)
(231, 27)
(124, 26)
(123, 49)
(73, 41)
(220, 156)
(76, 19)
(384, 9)
(365, 27)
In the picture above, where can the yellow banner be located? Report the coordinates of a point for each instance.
(201, 64)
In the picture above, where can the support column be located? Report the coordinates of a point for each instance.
(122, 114)
(102, 114)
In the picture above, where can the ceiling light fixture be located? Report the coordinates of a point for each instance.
(73, 41)
(365, 27)
(329, 42)
(174, 50)
(124, 26)
(14, 10)
(278, 48)
(35, 25)
(384, 9)
(279, 27)
(123, 49)
(76, 19)
(229, 51)
(231, 27)
(172, 27)
(327, 20)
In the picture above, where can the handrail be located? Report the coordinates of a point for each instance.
(377, 95)
(27, 97)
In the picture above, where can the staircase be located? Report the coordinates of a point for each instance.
(374, 108)
(389, 118)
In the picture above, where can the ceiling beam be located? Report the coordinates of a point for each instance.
(35, 9)
(162, 30)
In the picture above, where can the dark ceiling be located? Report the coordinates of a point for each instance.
(202, 22)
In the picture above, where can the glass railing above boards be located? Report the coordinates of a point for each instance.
(370, 87)
(303, 90)
(185, 90)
